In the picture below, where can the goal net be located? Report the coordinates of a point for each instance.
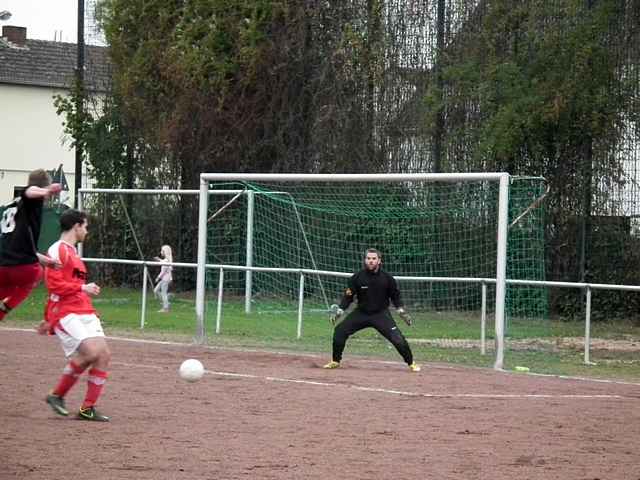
(297, 239)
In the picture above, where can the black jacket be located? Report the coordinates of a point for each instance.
(373, 291)
(20, 231)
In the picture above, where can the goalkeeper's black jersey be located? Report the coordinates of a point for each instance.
(373, 291)
(20, 231)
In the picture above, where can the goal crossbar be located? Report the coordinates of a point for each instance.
(351, 177)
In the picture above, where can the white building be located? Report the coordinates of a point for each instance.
(32, 136)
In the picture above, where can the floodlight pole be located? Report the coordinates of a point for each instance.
(77, 199)
(79, 99)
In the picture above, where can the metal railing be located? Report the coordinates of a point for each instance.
(483, 282)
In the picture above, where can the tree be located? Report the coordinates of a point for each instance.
(549, 98)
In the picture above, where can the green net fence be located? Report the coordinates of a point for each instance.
(437, 239)
(442, 230)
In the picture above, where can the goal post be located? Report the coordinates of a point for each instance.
(500, 210)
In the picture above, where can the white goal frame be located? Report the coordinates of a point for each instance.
(503, 180)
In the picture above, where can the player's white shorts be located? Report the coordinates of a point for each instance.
(75, 329)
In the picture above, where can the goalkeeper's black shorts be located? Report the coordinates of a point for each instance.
(357, 320)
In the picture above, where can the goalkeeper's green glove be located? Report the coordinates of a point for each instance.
(335, 312)
(404, 315)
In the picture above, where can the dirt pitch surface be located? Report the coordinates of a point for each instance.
(260, 415)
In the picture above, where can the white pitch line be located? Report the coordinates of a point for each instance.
(306, 382)
(418, 394)
(231, 374)
(497, 396)
(302, 354)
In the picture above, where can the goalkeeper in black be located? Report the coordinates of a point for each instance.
(374, 288)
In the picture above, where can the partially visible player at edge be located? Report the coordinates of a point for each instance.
(373, 288)
(71, 316)
(20, 269)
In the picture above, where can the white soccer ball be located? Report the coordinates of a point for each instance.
(191, 370)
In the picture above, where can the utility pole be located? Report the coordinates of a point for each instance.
(79, 99)
(439, 124)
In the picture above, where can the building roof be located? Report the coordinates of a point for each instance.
(52, 64)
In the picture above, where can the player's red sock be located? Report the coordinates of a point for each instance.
(96, 381)
(70, 376)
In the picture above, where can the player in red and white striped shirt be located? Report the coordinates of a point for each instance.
(71, 316)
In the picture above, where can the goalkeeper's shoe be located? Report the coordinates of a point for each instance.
(414, 367)
(90, 413)
(57, 404)
(332, 364)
